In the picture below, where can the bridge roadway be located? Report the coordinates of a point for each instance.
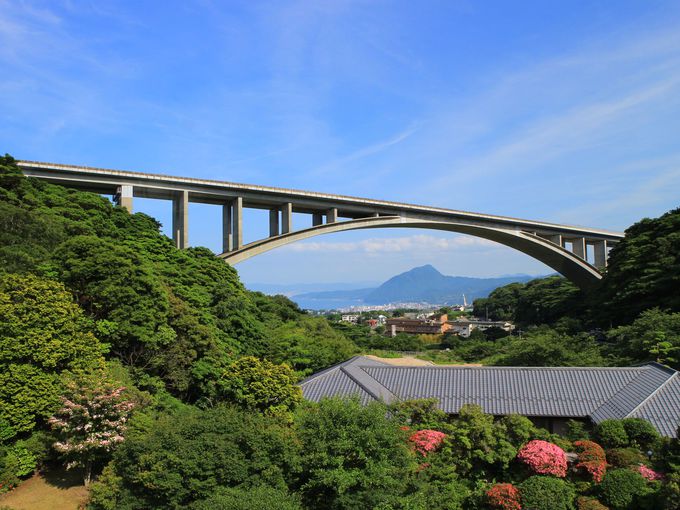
(579, 253)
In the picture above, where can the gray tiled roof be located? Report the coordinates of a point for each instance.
(650, 391)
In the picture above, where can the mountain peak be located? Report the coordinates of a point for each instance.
(427, 269)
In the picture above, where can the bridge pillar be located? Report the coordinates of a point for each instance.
(237, 223)
(180, 219)
(274, 229)
(317, 219)
(123, 197)
(227, 238)
(287, 218)
(579, 247)
(332, 215)
(600, 251)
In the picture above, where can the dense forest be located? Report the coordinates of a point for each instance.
(156, 374)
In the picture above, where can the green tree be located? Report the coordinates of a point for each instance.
(654, 335)
(43, 333)
(354, 456)
(643, 270)
(182, 457)
(260, 385)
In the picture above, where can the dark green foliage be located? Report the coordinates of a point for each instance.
(643, 270)
(420, 414)
(400, 342)
(654, 335)
(623, 489)
(611, 434)
(625, 457)
(183, 457)
(477, 446)
(309, 344)
(354, 456)
(548, 347)
(253, 498)
(546, 493)
(640, 432)
(540, 301)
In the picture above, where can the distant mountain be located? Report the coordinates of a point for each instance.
(421, 284)
(428, 285)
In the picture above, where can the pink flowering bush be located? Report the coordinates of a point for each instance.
(544, 458)
(649, 473)
(91, 421)
(504, 496)
(426, 441)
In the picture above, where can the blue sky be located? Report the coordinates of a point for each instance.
(558, 111)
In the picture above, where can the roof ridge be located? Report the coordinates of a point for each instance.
(373, 387)
(496, 367)
(651, 395)
(330, 369)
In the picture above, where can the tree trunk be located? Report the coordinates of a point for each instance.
(88, 473)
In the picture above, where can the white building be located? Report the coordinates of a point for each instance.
(349, 318)
(462, 326)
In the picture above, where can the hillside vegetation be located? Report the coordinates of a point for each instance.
(156, 375)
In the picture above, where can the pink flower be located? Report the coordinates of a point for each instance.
(425, 441)
(649, 474)
(544, 458)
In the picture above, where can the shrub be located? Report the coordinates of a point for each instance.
(621, 489)
(625, 457)
(504, 496)
(544, 458)
(252, 498)
(546, 493)
(584, 503)
(577, 430)
(611, 434)
(426, 441)
(640, 432)
(591, 458)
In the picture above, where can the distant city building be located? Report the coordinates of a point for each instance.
(349, 318)
(436, 324)
(463, 326)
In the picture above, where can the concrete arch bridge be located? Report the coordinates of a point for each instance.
(578, 253)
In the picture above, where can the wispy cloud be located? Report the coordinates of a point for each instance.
(425, 243)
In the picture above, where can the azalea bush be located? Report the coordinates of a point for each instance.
(544, 458)
(592, 459)
(649, 473)
(504, 496)
(426, 441)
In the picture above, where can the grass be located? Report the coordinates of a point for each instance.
(55, 490)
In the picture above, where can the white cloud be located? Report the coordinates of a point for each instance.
(422, 242)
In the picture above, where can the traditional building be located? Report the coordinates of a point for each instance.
(548, 395)
(462, 326)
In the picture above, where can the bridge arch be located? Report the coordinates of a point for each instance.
(574, 268)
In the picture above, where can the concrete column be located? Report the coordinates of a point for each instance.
(375, 215)
(237, 223)
(287, 218)
(557, 239)
(317, 219)
(600, 252)
(274, 229)
(227, 237)
(332, 215)
(180, 219)
(123, 197)
(579, 244)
